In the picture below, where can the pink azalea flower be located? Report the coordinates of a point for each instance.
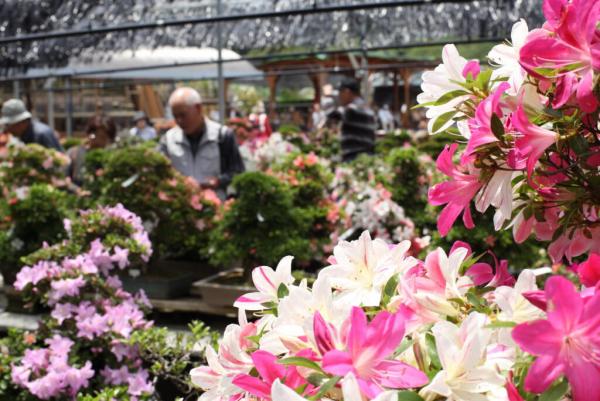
(589, 271)
(533, 140)
(368, 345)
(456, 193)
(481, 125)
(139, 384)
(66, 287)
(61, 312)
(471, 68)
(79, 378)
(120, 257)
(269, 371)
(567, 44)
(567, 342)
(195, 202)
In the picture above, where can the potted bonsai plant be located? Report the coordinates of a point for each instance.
(261, 226)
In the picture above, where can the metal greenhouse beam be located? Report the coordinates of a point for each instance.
(224, 18)
(75, 74)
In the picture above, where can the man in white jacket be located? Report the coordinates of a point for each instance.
(199, 147)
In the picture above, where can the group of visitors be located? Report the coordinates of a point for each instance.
(197, 146)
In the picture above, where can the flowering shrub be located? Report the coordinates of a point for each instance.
(368, 206)
(81, 346)
(531, 125)
(244, 130)
(262, 224)
(170, 356)
(260, 155)
(31, 216)
(176, 212)
(379, 324)
(309, 178)
(25, 165)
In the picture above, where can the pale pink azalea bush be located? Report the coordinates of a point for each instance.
(91, 316)
(379, 324)
(530, 124)
(366, 206)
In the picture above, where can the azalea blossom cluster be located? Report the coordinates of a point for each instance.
(378, 324)
(62, 376)
(259, 155)
(91, 315)
(24, 165)
(184, 193)
(531, 129)
(371, 208)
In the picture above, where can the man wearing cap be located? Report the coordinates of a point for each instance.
(143, 129)
(17, 120)
(199, 147)
(358, 121)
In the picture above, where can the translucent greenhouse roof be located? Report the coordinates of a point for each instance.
(421, 22)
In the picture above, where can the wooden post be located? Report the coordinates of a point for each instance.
(272, 82)
(395, 94)
(316, 81)
(406, 74)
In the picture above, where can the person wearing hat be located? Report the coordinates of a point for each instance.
(143, 129)
(358, 121)
(18, 121)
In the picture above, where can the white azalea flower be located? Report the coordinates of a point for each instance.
(296, 313)
(441, 80)
(506, 57)
(514, 307)
(499, 193)
(363, 267)
(467, 374)
(267, 282)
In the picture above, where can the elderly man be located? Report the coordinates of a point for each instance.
(199, 147)
(17, 120)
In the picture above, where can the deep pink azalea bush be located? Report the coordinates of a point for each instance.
(531, 129)
(82, 344)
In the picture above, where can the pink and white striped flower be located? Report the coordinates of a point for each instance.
(267, 282)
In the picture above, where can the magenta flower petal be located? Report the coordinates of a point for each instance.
(566, 307)
(396, 374)
(337, 363)
(542, 373)
(538, 337)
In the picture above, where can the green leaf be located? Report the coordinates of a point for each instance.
(443, 119)
(483, 78)
(500, 324)
(409, 396)
(300, 361)
(326, 387)
(446, 97)
(316, 379)
(404, 345)
(432, 350)
(497, 126)
(282, 291)
(390, 287)
(556, 392)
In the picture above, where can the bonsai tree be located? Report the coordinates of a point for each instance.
(309, 178)
(261, 226)
(26, 165)
(176, 212)
(31, 216)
